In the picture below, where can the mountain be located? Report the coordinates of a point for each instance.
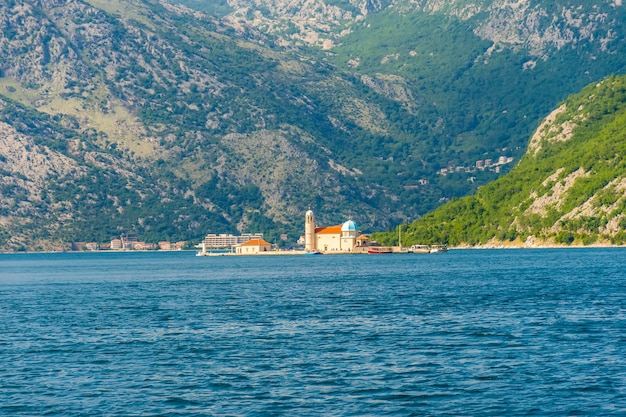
(534, 25)
(152, 117)
(160, 123)
(476, 75)
(569, 188)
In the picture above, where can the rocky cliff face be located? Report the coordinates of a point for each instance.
(535, 26)
(318, 23)
(586, 199)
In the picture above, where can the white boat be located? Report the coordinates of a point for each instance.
(419, 249)
(438, 249)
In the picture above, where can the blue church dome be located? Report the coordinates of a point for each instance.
(349, 226)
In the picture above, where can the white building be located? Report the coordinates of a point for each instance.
(227, 240)
(253, 247)
(342, 238)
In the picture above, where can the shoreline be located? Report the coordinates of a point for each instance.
(535, 245)
(488, 246)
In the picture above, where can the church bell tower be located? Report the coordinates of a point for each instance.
(309, 232)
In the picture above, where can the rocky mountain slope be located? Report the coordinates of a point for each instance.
(534, 25)
(570, 187)
(147, 116)
(144, 123)
(464, 80)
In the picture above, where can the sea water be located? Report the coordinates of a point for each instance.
(466, 333)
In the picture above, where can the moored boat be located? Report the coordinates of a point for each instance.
(419, 249)
(438, 249)
(379, 250)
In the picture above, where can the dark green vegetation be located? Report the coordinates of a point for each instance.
(570, 187)
(214, 7)
(468, 106)
(173, 124)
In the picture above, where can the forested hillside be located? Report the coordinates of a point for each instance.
(465, 80)
(147, 116)
(569, 188)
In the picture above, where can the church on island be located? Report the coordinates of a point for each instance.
(343, 238)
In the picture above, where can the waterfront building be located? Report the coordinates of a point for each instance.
(165, 245)
(129, 240)
(342, 238)
(78, 246)
(144, 246)
(253, 247)
(215, 241)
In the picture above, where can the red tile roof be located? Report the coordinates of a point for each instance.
(255, 242)
(329, 230)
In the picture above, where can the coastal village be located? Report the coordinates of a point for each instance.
(127, 242)
(344, 238)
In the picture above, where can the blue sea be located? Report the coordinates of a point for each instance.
(466, 333)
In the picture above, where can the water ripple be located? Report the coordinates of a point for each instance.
(469, 333)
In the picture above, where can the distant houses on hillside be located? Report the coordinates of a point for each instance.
(480, 165)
